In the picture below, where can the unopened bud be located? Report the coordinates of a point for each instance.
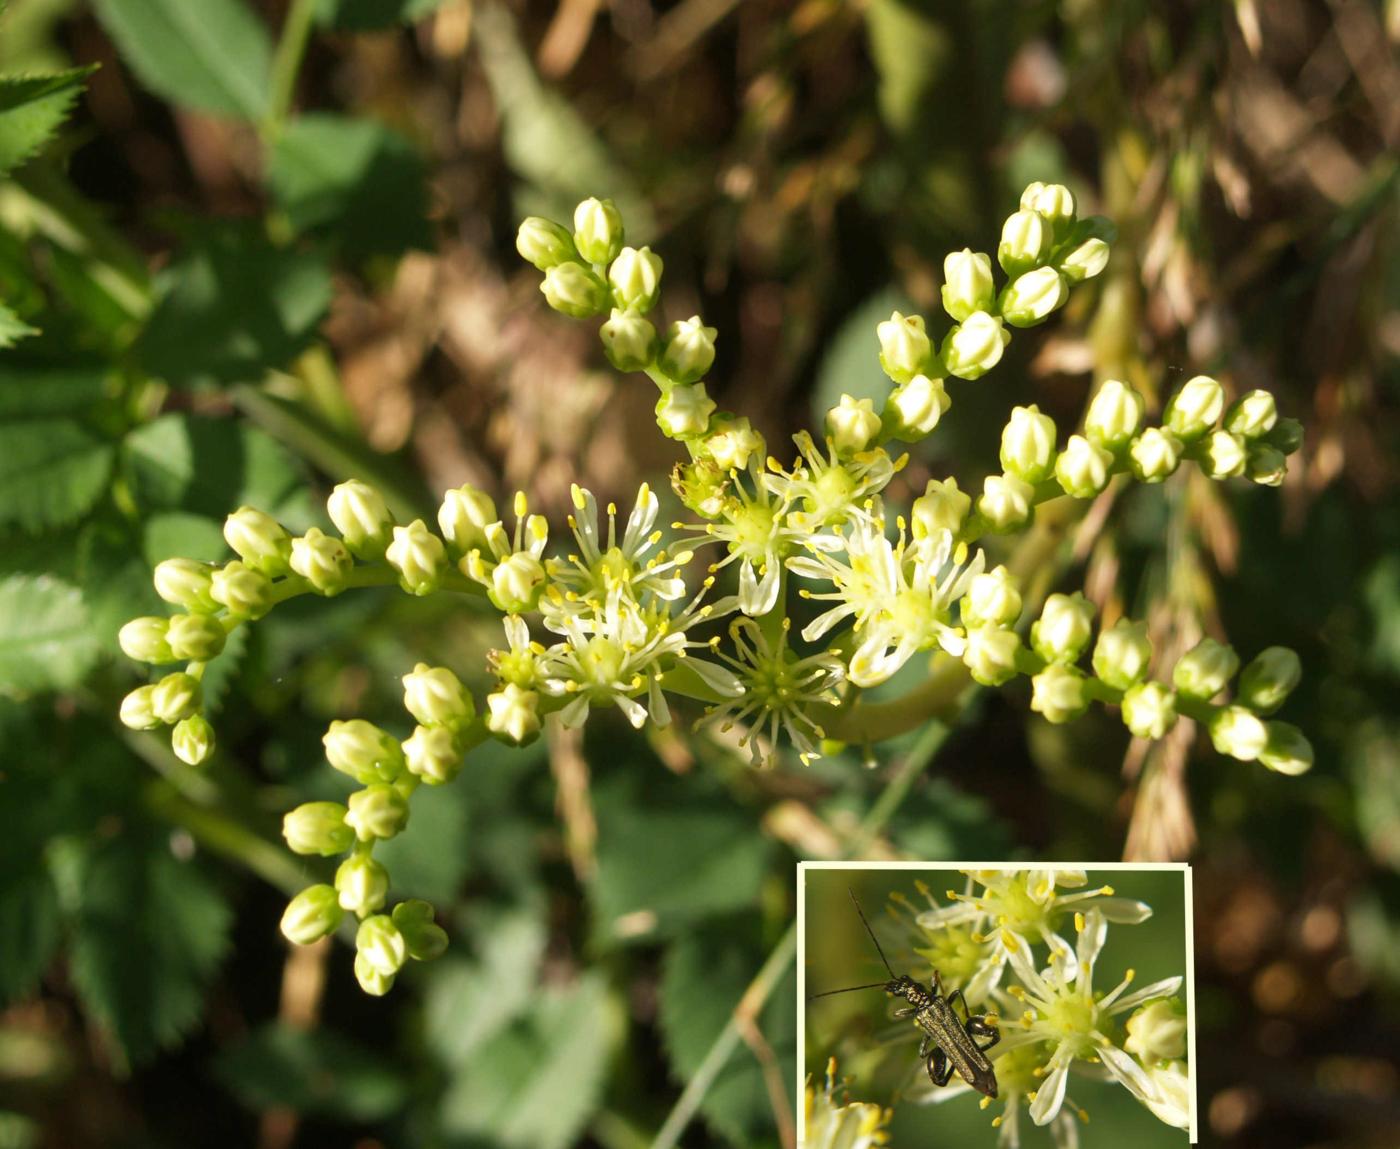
(373, 982)
(192, 740)
(852, 425)
(514, 713)
(185, 583)
(1064, 628)
(423, 938)
(905, 347)
(245, 592)
(465, 514)
(322, 560)
(683, 412)
(1155, 455)
(1265, 465)
(1059, 694)
(629, 340)
(1114, 415)
(195, 637)
(363, 751)
(259, 540)
(575, 290)
(732, 442)
(1028, 444)
(598, 231)
(1195, 409)
(1006, 502)
(144, 639)
(975, 345)
(1084, 260)
(419, 556)
(1252, 416)
(436, 697)
(543, 242)
(1054, 201)
(914, 408)
(1222, 455)
(138, 709)
(1122, 654)
(174, 697)
(1031, 297)
(311, 915)
(1238, 733)
(1267, 682)
(380, 945)
(990, 654)
(432, 754)
(362, 883)
(942, 507)
(992, 599)
(689, 350)
(317, 828)
(1205, 669)
(362, 517)
(517, 583)
(1287, 436)
(635, 276)
(1083, 468)
(967, 283)
(1157, 1032)
(1149, 710)
(1287, 750)
(1026, 240)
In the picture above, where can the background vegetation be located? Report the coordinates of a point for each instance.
(271, 248)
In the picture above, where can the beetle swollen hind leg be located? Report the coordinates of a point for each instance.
(940, 1069)
(978, 1026)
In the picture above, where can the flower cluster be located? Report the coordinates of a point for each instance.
(834, 1121)
(614, 614)
(1002, 940)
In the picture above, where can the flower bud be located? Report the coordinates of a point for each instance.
(363, 751)
(1064, 628)
(1195, 409)
(689, 350)
(975, 345)
(465, 514)
(377, 812)
(684, 411)
(1268, 681)
(371, 981)
(1222, 455)
(423, 938)
(185, 583)
(138, 709)
(1026, 240)
(317, 828)
(436, 697)
(1053, 201)
(967, 283)
(598, 232)
(1154, 455)
(629, 340)
(1122, 654)
(543, 242)
(990, 654)
(635, 276)
(381, 946)
(362, 883)
(914, 408)
(321, 560)
(144, 639)
(174, 697)
(419, 556)
(1058, 693)
(192, 740)
(1006, 502)
(1028, 444)
(1082, 468)
(992, 599)
(852, 425)
(731, 443)
(517, 583)
(1265, 465)
(1032, 296)
(942, 507)
(195, 637)
(1205, 669)
(1287, 436)
(514, 713)
(1157, 1032)
(1084, 260)
(245, 592)
(904, 346)
(575, 290)
(311, 915)
(1252, 415)
(432, 754)
(362, 517)
(1287, 750)
(1149, 710)
(1114, 415)
(1238, 733)
(259, 540)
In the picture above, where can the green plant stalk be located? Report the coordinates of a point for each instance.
(286, 64)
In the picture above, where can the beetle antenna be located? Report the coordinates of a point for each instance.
(849, 989)
(871, 932)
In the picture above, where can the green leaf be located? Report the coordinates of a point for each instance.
(46, 639)
(31, 110)
(232, 307)
(13, 328)
(705, 975)
(535, 1085)
(367, 15)
(208, 467)
(313, 1072)
(151, 931)
(29, 923)
(215, 55)
(662, 866)
(29, 390)
(51, 472)
(356, 179)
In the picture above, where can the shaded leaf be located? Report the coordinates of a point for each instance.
(215, 55)
(51, 471)
(31, 110)
(361, 182)
(313, 1072)
(29, 923)
(366, 15)
(46, 638)
(151, 931)
(232, 307)
(13, 328)
(29, 390)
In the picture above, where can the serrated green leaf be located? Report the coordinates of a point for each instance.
(704, 976)
(51, 472)
(367, 15)
(535, 1085)
(208, 467)
(32, 390)
(46, 637)
(215, 55)
(31, 110)
(359, 181)
(232, 307)
(312, 1072)
(151, 931)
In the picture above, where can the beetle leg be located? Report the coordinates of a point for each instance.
(957, 995)
(940, 1069)
(979, 1026)
(925, 1047)
(907, 1011)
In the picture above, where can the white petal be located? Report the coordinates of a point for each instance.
(641, 520)
(656, 703)
(1128, 1072)
(1164, 988)
(635, 711)
(575, 712)
(1091, 939)
(1050, 1094)
(823, 623)
(718, 678)
(1125, 911)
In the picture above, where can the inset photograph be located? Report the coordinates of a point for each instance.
(996, 1005)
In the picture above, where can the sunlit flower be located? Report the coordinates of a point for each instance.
(828, 489)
